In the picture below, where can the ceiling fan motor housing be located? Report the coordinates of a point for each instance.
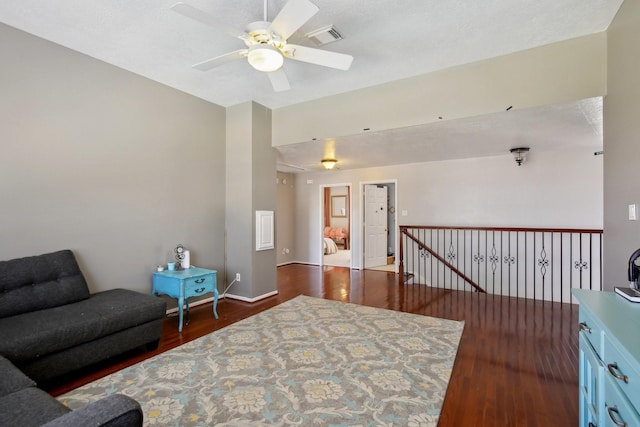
(260, 34)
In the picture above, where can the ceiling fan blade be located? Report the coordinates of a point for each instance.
(203, 17)
(325, 58)
(292, 16)
(279, 80)
(221, 60)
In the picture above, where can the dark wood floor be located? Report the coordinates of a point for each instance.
(517, 363)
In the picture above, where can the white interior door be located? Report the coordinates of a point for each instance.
(375, 226)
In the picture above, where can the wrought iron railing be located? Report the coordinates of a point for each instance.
(537, 263)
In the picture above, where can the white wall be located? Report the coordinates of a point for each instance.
(553, 189)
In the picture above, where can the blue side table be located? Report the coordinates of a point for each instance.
(182, 284)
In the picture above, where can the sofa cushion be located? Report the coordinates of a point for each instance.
(12, 379)
(40, 282)
(31, 335)
(29, 407)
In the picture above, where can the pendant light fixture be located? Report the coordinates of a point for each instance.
(329, 163)
(520, 154)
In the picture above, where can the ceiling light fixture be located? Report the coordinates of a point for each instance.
(520, 154)
(264, 57)
(329, 163)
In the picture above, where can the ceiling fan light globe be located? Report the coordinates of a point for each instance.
(265, 58)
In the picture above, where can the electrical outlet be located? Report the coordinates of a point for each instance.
(237, 277)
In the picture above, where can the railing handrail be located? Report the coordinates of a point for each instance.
(523, 229)
(442, 260)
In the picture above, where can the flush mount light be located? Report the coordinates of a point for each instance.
(329, 163)
(264, 57)
(520, 154)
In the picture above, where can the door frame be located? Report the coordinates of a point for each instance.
(361, 242)
(321, 219)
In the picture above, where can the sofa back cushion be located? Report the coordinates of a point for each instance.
(39, 282)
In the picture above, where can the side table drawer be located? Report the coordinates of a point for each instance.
(195, 286)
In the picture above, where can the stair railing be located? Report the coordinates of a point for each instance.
(537, 263)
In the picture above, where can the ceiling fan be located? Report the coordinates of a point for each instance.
(267, 42)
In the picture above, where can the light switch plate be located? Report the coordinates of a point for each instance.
(633, 212)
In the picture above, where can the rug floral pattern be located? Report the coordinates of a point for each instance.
(305, 362)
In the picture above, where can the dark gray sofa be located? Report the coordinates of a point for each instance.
(50, 325)
(24, 405)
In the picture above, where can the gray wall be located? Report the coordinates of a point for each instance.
(621, 143)
(264, 197)
(251, 175)
(239, 209)
(551, 74)
(285, 219)
(114, 166)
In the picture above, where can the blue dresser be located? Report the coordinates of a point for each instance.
(609, 358)
(183, 284)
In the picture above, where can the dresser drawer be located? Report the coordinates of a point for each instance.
(199, 285)
(621, 371)
(592, 330)
(618, 410)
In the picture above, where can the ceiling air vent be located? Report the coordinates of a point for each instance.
(324, 35)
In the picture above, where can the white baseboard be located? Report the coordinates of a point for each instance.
(245, 299)
(231, 296)
(286, 263)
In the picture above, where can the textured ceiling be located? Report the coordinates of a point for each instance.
(389, 40)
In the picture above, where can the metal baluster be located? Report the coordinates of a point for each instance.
(562, 266)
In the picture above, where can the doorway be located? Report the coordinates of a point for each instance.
(336, 225)
(379, 221)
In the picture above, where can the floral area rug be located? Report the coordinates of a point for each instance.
(305, 362)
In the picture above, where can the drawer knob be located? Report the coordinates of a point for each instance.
(584, 327)
(615, 371)
(614, 410)
(200, 280)
(199, 290)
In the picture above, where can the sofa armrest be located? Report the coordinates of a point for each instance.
(112, 411)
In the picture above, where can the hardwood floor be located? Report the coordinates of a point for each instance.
(517, 363)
